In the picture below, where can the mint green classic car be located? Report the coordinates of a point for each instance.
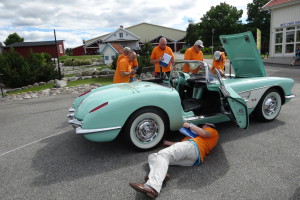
(143, 111)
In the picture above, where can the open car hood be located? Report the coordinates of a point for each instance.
(243, 54)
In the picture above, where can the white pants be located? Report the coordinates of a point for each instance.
(181, 153)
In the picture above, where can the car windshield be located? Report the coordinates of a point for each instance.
(191, 68)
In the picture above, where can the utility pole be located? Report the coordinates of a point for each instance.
(212, 42)
(58, 67)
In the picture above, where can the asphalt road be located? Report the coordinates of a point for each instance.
(42, 158)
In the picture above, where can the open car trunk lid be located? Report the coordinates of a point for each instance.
(243, 54)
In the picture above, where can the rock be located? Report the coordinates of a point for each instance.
(86, 77)
(78, 75)
(87, 73)
(96, 72)
(42, 83)
(95, 84)
(50, 82)
(60, 83)
(73, 78)
(35, 84)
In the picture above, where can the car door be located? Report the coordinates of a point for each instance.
(236, 107)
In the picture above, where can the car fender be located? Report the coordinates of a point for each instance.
(118, 110)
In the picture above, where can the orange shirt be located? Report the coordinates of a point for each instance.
(191, 54)
(218, 64)
(133, 64)
(157, 52)
(205, 145)
(124, 66)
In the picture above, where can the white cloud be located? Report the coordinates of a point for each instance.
(85, 19)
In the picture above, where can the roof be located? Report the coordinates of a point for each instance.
(279, 3)
(34, 44)
(116, 47)
(147, 32)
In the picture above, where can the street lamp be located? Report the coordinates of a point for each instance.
(212, 41)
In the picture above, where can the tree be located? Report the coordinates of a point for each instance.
(192, 33)
(69, 51)
(12, 38)
(219, 20)
(259, 19)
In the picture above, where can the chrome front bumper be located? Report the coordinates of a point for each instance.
(71, 113)
(77, 126)
(290, 96)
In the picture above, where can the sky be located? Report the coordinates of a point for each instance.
(78, 20)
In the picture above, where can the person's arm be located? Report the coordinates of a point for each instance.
(153, 61)
(132, 72)
(199, 131)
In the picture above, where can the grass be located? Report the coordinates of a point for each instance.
(102, 81)
(33, 89)
(84, 57)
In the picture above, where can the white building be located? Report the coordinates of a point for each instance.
(284, 27)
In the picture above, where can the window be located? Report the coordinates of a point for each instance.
(60, 49)
(278, 48)
(121, 35)
(289, 48)
(298, 36)
(290, 36)
(106, 57)
(278, 38)
(113, 57)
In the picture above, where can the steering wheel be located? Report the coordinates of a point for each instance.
(175, 80)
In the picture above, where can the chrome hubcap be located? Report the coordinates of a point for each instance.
(270, 106)
(146, 130)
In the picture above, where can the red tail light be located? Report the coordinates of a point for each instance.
(84, 93)
(98, 107)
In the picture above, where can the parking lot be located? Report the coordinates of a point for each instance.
(42, 158)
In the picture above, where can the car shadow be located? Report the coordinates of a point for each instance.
(68, 157)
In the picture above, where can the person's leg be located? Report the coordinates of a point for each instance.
(181, 153)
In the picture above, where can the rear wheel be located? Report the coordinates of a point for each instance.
(269, 106)
(145, 128)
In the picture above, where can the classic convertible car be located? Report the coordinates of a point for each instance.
(144, 111)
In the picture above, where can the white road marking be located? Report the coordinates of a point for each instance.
(3, 154)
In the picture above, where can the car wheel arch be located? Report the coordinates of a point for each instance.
(258, 113)
(150, 107)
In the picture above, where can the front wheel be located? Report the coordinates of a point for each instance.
(145, 128)
(269, 106)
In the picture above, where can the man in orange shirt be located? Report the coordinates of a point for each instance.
(134, 64)
(157, 56)
(188, 152)
(193, 53)
(219, 63)
(124, 70)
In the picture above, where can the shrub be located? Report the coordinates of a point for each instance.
(182, 50)
(20, 72)
(75, 62)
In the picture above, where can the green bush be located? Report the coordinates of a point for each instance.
(18, 71)
(114, 63)
(182, 50)
(75, 62)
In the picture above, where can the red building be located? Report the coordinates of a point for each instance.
(24, 48)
